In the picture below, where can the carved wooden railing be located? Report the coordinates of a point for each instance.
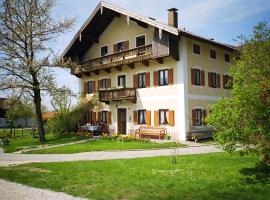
(120, 58)
(118, 94)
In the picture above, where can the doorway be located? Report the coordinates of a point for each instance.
(122, 121)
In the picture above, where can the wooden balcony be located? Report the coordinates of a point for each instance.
(127, 57)
(118, 94)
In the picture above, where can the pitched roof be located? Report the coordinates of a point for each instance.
(150, 21)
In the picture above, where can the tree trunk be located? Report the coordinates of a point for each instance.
(37, 102)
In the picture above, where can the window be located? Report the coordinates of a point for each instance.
(142, 80)
(104, 83)
(197, 76)
(122, 81)
(213, 54)
(140, 41)
(89, 116)
(120, 46)
(227, 82)
(104, 117)
(163, 77)
(226, 57)
(91, 87)
(198, 117)
(142, 116)
(163, 116)
(104, 50)
(213, 80)
(196, 49)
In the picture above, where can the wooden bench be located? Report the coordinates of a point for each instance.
(146, 131)
(197, 135)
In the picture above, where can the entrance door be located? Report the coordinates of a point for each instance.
(122, 121)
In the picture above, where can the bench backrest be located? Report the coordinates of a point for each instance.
(152, 129)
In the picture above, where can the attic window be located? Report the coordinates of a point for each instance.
(196, 49)
(213, 54)
(104, 50)
(140, 40)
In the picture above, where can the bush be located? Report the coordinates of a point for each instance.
(84, 134)
(122, 138)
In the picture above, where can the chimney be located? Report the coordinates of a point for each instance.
(173, 17)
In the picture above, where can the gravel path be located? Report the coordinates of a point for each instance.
(15, 191)
(11, 159)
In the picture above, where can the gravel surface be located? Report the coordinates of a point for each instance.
(12, 159)
(15, 191)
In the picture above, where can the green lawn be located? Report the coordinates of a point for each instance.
(103, 145)
(209, 176)
(26, 142)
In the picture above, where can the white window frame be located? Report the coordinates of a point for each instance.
(105, 45)
(135, 42)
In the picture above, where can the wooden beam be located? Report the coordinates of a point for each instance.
(87, 73)
(145, 63)
(140, 23)
(131, 65)
(118, 68)
(160, 60)
(108, 70)
(96, 72)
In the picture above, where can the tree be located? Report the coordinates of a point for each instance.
(26, 29)
(12, 107)
(243, 118)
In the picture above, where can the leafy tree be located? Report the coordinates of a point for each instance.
(243, 118)
(26, 29)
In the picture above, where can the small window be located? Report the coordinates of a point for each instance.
(104, 51)
(140, 41)
(104, 83)
(163, 117)
(163, 77)
(122, 81)
(91, 85)
(226, 57)
(104, 116)
(213, 80)
(213, 54)
(198, 117)
(196, 49)
(142, 116)
(120, 46)
(142, 80)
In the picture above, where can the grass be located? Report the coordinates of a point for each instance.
(103, 145)
(27, 142)
(209, 176)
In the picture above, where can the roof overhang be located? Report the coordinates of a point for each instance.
(101, 17)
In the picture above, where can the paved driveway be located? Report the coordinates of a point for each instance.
(11, 158)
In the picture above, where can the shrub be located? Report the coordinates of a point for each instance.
(84, 134)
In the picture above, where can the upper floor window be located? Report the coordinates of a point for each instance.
(213, 80)
(227, 82)
(213, 54)
(120, 47)
(91, 87)
(226, 57)
(104, 116)
(196, 49)
(121, 81)
(163, 77)
(104, 50)
(142, 80)
(104, 83)
(164, 116)
(197, 73)
(140, 41)
(142, 116)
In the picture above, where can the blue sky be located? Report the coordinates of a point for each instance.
(222, 20)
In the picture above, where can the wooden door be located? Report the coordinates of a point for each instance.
(122, 121)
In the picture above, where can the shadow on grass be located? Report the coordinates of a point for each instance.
(258, 174)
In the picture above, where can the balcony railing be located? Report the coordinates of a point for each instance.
(120, 58)
(118, 94)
